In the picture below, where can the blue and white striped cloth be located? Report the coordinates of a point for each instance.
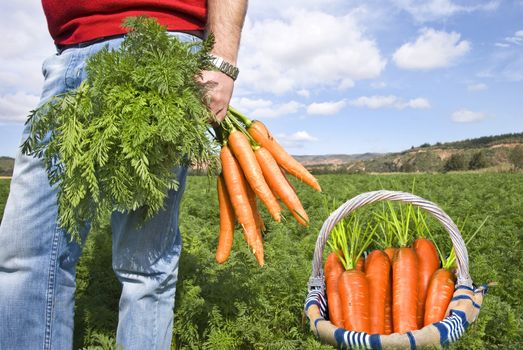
(463, 310)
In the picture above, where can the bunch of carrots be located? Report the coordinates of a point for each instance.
(393, 289)
(254, 166)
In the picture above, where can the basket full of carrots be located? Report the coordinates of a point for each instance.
(406, 293)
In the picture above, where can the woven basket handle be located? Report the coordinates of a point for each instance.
(317, 279)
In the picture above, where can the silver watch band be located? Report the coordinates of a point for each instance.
(225, 67)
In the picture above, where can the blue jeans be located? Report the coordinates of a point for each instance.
(38, 259)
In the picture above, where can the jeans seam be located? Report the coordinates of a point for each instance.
(176, 206)
(68, 73)
(155, 328)
(50, 295)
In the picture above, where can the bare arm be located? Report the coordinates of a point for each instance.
(225, 20)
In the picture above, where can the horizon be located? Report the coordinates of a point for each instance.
(337, 77)
(382, 153)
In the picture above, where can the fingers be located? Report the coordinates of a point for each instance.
(220, 115)
(219, 93)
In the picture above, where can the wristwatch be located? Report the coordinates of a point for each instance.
(225, 67)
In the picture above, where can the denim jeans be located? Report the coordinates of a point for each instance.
(38, 259)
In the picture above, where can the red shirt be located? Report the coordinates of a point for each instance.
(76, 21)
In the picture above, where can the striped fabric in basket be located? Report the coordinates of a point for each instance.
(462, 311)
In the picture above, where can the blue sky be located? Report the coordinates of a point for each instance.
(337, 76)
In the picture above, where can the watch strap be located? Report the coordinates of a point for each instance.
(225, 67)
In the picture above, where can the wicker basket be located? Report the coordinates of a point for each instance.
(462, 311)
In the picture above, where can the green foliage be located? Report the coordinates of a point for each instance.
(478, 161)
(238, 305)
(516, 157)
(97, 292)
(350, 238)
(103, 342)
(484, 141)
(112, 143)
(4, 191)
(455, 162)
(6, 166)
(422, 161)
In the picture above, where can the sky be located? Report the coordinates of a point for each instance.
(335, 76)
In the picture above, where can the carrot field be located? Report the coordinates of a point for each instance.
(239, 305)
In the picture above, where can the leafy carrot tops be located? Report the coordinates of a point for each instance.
(112, 143)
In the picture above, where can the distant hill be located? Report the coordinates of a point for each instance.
(6, 166)
(336, 158)
(487, 152)
(485, 141)
(471, 154)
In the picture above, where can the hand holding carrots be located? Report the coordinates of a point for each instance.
(252, 164)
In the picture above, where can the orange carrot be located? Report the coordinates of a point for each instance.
(226, 223)
(242, 150)
(360, 264)
(354, 295)
(255, 212)
(237, 189)
(333, 271)
(286, 178)
(404, 290)
(428, 263)
(279, 185)
(352, 239)
(259, 132)
(386, 242)
(388, 302)
(388, 309)
(390, 252)
(377, 271)
(439, 295)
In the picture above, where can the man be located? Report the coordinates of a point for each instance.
(38, 259)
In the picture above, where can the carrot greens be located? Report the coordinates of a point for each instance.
(112, 143)
(350, 239)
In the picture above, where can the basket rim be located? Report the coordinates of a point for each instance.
(317, 281)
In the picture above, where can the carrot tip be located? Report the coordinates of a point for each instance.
(221, 260)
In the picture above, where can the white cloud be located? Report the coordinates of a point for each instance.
(23, 25)
(390, 101)
(432, 10)
(261, 108)
(14, 108)
(306, 49)
(248, 104)
(325, 108)
(467, 116)
(516, 39)
(504, 65)
(374, 102)
(432, 49)
(296, 140)
(272, 8)
(304, 93)
(346, 84)
(279, 110)
(477, 87)
(378, 85)
(416, 103)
